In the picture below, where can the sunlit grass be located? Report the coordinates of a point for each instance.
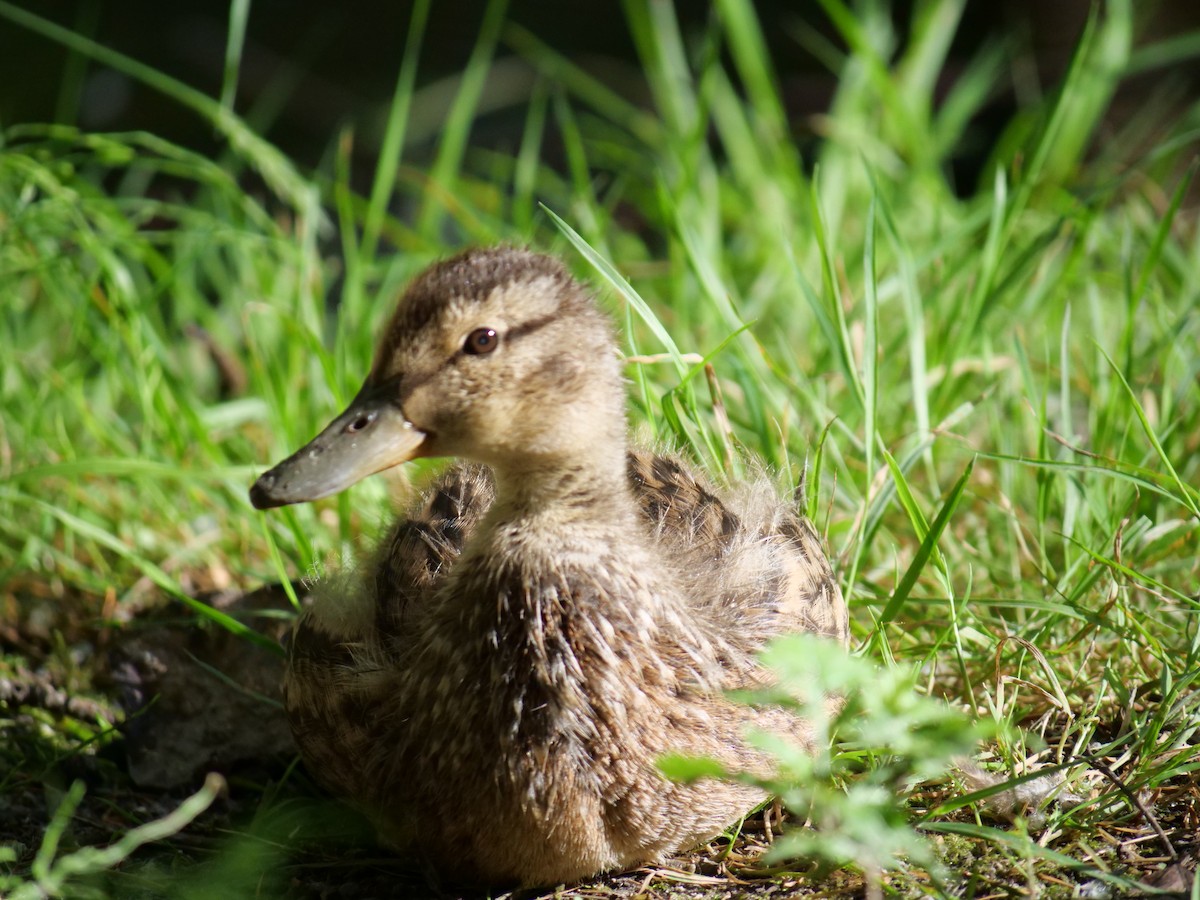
(994, 389)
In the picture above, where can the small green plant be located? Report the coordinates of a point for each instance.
(866, 754)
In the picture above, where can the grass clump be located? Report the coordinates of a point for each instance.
(992, 388)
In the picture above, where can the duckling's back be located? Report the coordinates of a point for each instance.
(751, 563)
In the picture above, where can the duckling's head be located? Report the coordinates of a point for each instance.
(496, 355)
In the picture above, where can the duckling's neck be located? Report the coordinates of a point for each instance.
(556, 491)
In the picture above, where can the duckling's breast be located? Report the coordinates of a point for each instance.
(548, 713)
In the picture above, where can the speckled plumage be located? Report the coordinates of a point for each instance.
(495, 685)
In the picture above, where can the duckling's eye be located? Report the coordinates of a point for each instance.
(480, 341)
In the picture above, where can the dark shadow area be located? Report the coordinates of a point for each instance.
(310, 68)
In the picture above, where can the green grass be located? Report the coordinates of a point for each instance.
(994, 390)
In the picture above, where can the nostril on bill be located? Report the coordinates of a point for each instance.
(360, 423)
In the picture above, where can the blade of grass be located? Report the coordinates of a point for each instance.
(1163, 231)
(909, 580)
(235, 39)
(614, 278)
(445, 170)
(1185, 496)
(393, 137)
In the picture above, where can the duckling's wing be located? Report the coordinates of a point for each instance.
(810, 596)
(423, 546)
(748, 561)
(346, 641)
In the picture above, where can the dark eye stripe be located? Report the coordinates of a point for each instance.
(529, 327)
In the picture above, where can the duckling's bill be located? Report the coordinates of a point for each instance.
(372, 434)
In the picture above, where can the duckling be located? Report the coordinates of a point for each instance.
(558, 611)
